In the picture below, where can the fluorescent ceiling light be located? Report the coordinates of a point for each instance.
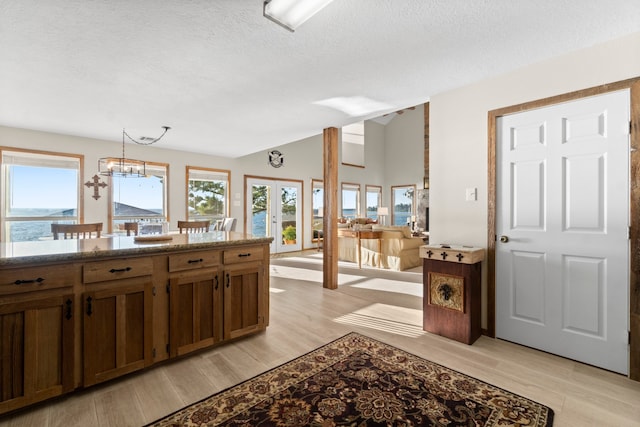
(356, 106)
(292, 13)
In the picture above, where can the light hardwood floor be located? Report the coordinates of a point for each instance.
(381, 304)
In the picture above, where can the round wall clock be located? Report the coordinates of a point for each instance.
(276, 159)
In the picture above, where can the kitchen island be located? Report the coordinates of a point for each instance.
(74, 313)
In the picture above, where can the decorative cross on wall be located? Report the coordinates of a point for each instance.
(95, 184)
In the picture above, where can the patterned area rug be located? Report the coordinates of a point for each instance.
(358, 381)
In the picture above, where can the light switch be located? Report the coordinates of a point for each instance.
(471, 194)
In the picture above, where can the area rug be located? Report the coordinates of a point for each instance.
(358, 381)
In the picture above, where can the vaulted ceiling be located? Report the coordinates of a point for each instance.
(230, 82)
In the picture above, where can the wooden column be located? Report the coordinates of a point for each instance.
(330, 215)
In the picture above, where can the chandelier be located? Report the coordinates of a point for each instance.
(123, 167)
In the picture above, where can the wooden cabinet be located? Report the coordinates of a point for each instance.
(244, 292)
(117, 318)
(85, 319)
(195, 301)
(36, 335)
(451, 291)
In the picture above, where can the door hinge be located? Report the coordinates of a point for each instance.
(168, 288)
(628, 233)
(167, 348)
(153, 352)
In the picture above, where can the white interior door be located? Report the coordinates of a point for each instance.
(272, 207)
(562, 257)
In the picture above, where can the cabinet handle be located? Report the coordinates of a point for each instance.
(216, 285)
(22, 282)
(244, 255)
(68, 314)
(89, 308)
(193, 261)
(119, 270)
(227, 280)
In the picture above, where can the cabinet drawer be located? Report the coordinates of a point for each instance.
(193, 260)
(114, 269)
(14, 281)
(248, 254)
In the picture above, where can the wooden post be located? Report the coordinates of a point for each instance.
(330, 215)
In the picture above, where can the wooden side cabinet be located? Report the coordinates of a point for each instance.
(243, 300)
(36, 349)
(195, 311)
(244, 291)
(452, 294)
(117, 318)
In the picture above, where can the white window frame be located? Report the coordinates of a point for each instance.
(195, 173)
(10, 156)
(350, 186)
(152, 168)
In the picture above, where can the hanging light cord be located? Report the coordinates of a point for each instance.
(153, 141)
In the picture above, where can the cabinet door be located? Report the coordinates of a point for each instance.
(243, 300)
(36, 350)
(195, 312)
(117, 329)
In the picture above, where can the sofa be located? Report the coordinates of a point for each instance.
(398, 249)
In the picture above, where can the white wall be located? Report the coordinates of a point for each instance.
(458, 131)
(93, 149)
(404, 150)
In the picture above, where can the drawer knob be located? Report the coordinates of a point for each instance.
(22, 282)
(119, 270)
(244, 255)
(193, 261)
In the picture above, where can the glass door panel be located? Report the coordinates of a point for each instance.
(274, 210)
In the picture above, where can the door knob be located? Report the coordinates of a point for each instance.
(504, 239)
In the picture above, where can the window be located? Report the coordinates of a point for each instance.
(38, 188)
(402, 199)
(350, 200)
(374, 200)
(353, 144)
(207, 194)
(140, 199)
(317, 208)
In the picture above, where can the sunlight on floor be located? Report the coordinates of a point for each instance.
(387, 318)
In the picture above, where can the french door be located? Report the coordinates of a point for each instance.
(562, 257)
(274, 209)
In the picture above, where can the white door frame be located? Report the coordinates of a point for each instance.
(634, 197)
(277, 246)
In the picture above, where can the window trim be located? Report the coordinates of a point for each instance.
(393, 201)
(3, 200)
(353, 186)
(376, 189)
(165, 208)
(227, 202)
(316, 183)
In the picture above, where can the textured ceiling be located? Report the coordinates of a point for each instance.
(230, 82)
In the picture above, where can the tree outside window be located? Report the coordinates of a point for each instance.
(403, 201)
(208, 194)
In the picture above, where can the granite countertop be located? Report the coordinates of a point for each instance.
(18, 253)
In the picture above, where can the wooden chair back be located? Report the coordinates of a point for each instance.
(194, 226)
(76, 231)
(131, 227)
